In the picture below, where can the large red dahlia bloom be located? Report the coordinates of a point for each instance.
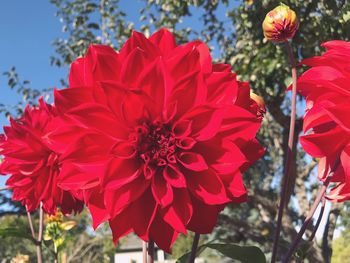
(34, 162)
(326, 122)
(169, 136)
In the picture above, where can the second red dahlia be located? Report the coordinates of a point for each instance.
(34, 162)
(326, 122)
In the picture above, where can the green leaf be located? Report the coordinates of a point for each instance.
(184, 258)
(15, 232)
(244, 254)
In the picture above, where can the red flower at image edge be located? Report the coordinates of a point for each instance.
(326, 122)
(169, 136)
(32, 163)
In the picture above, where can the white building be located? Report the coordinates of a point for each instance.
(130, 251)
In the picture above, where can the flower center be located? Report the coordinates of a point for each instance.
(156, 144)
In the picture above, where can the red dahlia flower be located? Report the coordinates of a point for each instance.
(32, 162)
(169, 136)
(326, 122)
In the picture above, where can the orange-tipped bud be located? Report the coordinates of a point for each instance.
(280, 24)
(257, 105)
(259, 100)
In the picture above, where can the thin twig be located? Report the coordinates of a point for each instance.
(150, 252)
(319, 197)
(144, 251)
(289, 154)
(194, 248)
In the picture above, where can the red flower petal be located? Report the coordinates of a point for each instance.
(192, 161)
(138, 40)
(186, 143)
(182, 128)
(100, 63)
(323, 144)
(164, 40)
(100, 118)
(339, 114)
(208, 187)
(68, 98)
(179, 214)
(155, 82)
(133, 65)
(97, 209)
(121, 225)
(143, 212)
(206, 122)
(162, 190)
(72, 177)
(162, 234)
(124, 150)
(200, 211)
(174, 176)
(120, 172)
(117, 200)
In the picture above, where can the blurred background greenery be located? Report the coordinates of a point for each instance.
(233, 31)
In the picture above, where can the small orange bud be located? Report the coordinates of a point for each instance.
(259, 100)
(280, 24)
(258, 104)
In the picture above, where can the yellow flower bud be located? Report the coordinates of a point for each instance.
(280, 24)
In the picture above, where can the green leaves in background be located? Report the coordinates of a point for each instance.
(15, 232)
(244, 254)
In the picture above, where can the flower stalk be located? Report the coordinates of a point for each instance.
(40, 234)
(30, 223)
(194, 248)
(319, 219)
(289, 153)
(150, 258)
(37, 240)
(319, 197)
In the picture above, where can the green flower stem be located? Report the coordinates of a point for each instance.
(320, 196)
(289, 154)
(194, 248)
